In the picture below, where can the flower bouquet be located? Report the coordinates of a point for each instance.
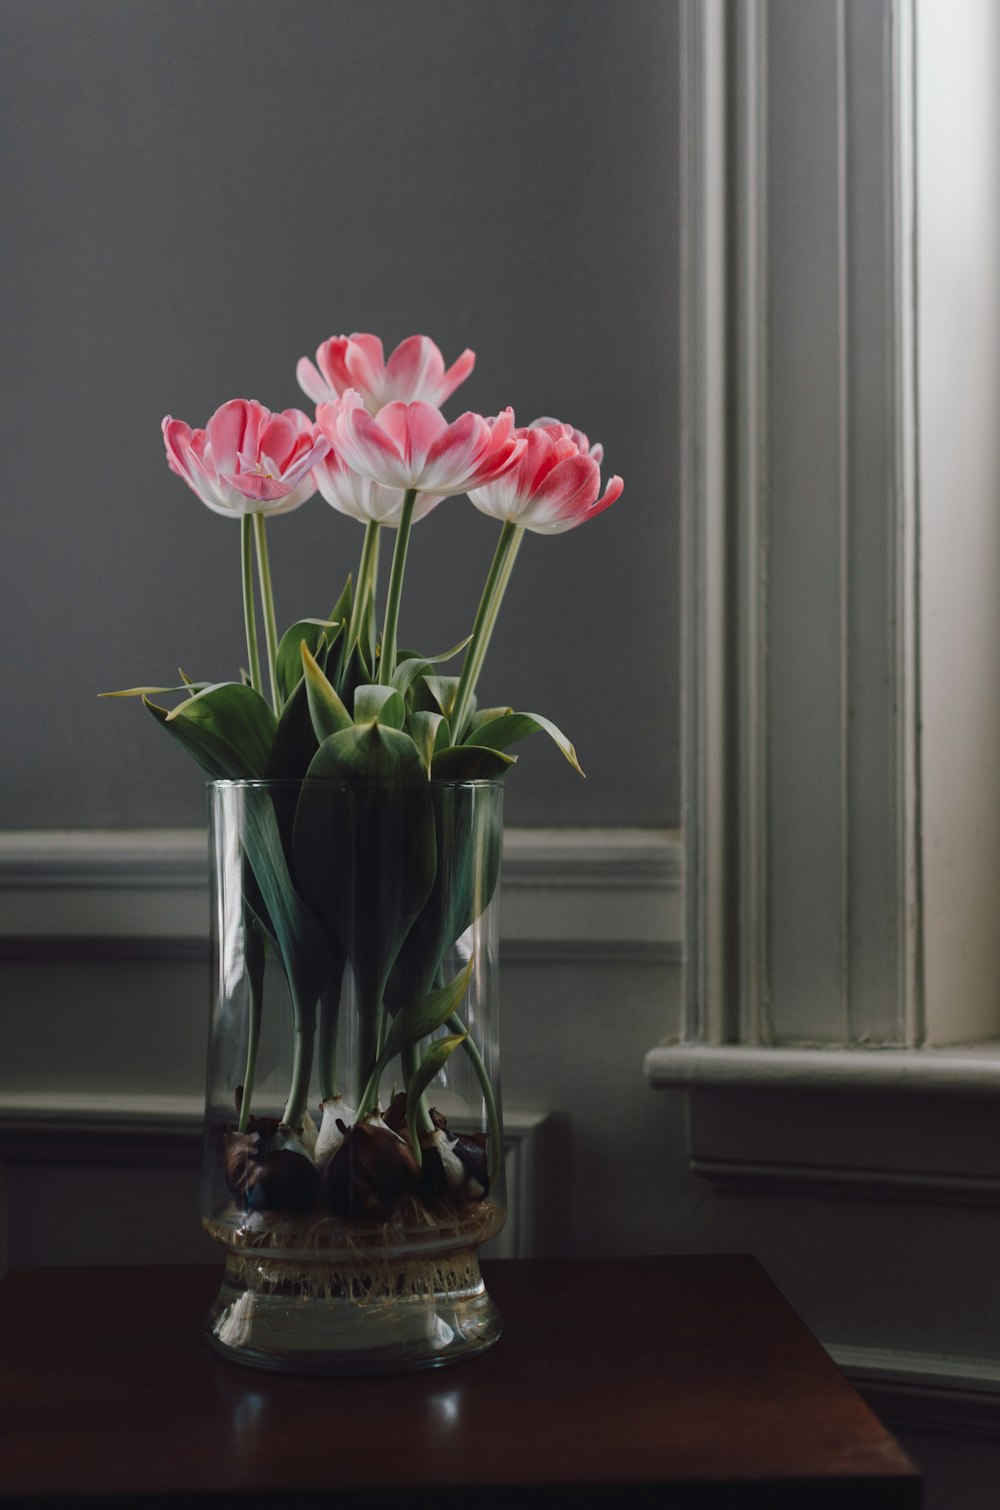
(354, 1149)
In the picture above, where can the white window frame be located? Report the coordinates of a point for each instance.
(830, 852)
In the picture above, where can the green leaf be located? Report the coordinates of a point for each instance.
(433, 1061)
(295, 741)
(430, 733)
(364, 849)
(185, 686)
(311, 632)
(418, 1019)
(367, 752)
(218, 759)
(328, 714)
(469, 843)
(497, 733)
(235, 714)
(382, 705)
(470, 763)
(485, 715)
(410, 665)
(300, 939)
(436, 694)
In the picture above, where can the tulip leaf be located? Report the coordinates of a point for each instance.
(382, 705)
(410, 665)
(484, 715)
(295, 741)
(436, 694)
(311, 632)
(185, 686)
(418, 1019)
(328, 714)
(220, 760)
(365, 854)
(367, 752)
(430, 733)
(299, 938)
(497, 733)
(470, 763)
(433, 1061)
(469, 843)
(235, 714)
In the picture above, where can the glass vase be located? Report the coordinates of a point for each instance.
(353, 1139)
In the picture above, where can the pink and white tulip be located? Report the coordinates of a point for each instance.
(247, 460)
(415, 372)
(555, 484)
(360, 498)
(413, 446)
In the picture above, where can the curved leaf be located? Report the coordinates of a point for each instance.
(433, 1061)
(410, 665)
(470, 763)
(328, 714)
(311, 632)
(219, 760)
(381, 705)
(185, 686)
(507, 728)
(235, 714)
(430, 733)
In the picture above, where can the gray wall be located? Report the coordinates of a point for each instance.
(195, 195)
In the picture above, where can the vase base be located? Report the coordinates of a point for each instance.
(351, 1320)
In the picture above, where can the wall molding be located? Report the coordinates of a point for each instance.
(926, 1391)
(95, 1129)
(567, 894)
(973, 1069)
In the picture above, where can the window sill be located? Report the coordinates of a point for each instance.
(971, 1069)
(801, 1122)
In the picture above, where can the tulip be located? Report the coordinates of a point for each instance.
(552, 487)
(247, 460)
(360, 498)
(250, 463)
(555, 484)
(415, 371)
(413, 447)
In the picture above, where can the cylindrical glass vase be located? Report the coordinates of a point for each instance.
(353, 1138)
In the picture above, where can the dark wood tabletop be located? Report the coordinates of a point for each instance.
(679, 1381)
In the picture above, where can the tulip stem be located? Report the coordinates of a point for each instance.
(267, 597)
(249, 615)
(499, 575)
(367, 582)
(387, 663)
(494, 1152)
(254, 950)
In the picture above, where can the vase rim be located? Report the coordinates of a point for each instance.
(348, 783)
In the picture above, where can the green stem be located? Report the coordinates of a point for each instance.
(495, 1144)
(387, 663)
(249, 616)
(267, 596)
(255, 982)
(486, 616)
(298, 1095)
(367, 581)
(329, 1018)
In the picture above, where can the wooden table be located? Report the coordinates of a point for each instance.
(677, 1381)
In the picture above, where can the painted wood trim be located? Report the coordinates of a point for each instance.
(926, 1391)
(597, 894)
(971, 1070)
(90, 1129)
